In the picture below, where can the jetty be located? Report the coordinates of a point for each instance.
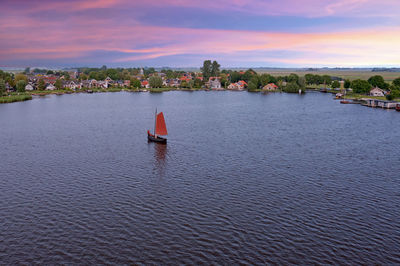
(375, 103)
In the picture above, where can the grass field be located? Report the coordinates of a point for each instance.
(345, 74)
(15, 98)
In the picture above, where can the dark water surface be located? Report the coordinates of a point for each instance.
(245, 178)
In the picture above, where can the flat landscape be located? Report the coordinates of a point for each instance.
(344, 74)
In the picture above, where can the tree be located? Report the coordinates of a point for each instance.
(224, 80)
(235, 76)
(326, 79)
(148, 71)
(301, 82)
(155, 82)
(58, 84)
(2, 87)
(19, 77)
(292, 87)
(41, 84)
(21, 86)
(396, 83)
(67, 76)
(197, 83)
(207, 70)
(378, 81)
(293, 78)
(254, 83)
(389, 97)
(395, 93)
(184, 84)
(50, 72)
(92, 75)
(266, 79)
(10, 81)
(125, 74)
(83, 76)
(310, 79)
(248, 75)
(360, 86)
(27, 70)
(112, 73)
(335, 84)
(135, 83)
(215, 69)
(101, 76)
(347, 83)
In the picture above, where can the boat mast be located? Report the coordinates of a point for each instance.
(155, 123)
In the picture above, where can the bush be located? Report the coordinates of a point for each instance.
(395, 93)
(155, 82)
(292, 87)
(335, 84)
(389, 97)
(360, 86)
(21, 86)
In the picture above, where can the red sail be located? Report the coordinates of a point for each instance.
(161, 128)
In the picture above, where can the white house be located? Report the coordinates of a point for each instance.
(29, 87)
(50, 87)
(72, 85)
(215, 84)
(376, 92)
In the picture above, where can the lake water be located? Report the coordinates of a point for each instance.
(245, 178)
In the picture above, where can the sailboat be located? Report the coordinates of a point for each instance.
(160, 129)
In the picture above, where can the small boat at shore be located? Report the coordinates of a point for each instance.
(345, 102)
(339, 96)
(160, 129)
(398, 107)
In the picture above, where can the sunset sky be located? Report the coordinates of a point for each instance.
(183, 33)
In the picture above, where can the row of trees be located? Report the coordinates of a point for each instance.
(364, 86)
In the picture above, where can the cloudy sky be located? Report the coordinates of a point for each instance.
(237, 33)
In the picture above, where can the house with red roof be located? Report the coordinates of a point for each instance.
(145, 84)
(270, 87)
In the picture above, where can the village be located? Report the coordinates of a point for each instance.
(73, 81)
(375, 92)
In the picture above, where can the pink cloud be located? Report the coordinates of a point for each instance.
(29, 37)
(308, 8)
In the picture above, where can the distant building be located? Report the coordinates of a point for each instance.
(29, 87)
(242, 83)
(214, 84)
(50, 87)
(376, 92)
(8, 87)
(145, 84)
(72, 85)
(270, 87)
(235, 87)
(127, 83)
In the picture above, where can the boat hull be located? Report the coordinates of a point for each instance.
(152, 138)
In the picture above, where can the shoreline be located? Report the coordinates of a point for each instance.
(16, 97)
